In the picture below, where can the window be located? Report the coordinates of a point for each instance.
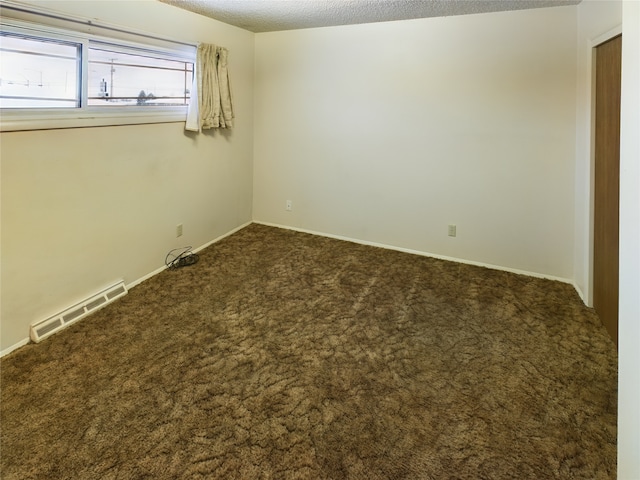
(122, 78)
(53, 78)
(38, 72)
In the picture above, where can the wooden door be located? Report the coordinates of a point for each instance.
(607, 183)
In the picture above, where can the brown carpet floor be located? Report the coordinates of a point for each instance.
(282, 355)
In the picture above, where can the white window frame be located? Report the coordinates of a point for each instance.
(16, 119)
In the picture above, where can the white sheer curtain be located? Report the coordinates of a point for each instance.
(211, 105)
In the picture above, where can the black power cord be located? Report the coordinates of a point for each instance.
(180, 257)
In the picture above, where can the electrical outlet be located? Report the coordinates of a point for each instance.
(289, 206)
(452, 230)
(179, 230)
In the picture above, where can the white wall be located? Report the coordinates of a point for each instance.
(388, 132)
(84, 207)
(597, 20)
(629, 312)
(383, 132)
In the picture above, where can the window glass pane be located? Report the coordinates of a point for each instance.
(38, 73)
(121, 79)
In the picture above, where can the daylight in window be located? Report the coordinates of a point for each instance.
(117, 79)
(37, 73)
(42, 72)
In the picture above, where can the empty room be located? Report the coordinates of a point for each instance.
(365, 239)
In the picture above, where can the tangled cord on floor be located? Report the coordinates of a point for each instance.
(180, 257)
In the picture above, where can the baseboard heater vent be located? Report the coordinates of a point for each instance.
(44, 328)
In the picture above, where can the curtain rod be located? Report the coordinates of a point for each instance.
(89, 23)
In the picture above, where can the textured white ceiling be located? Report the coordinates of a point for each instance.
(274, 15)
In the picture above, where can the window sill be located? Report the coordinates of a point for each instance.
(48, 120)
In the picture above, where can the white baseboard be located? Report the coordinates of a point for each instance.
(580, 293)
(146, 277)
(132, 284)
(425, 254)
(348, 239)
(202, 247)
(13, 347)
(228, 234)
